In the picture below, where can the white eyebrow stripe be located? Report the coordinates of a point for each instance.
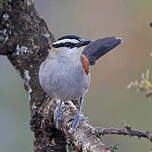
(66, 40)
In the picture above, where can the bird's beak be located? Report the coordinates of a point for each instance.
(83, 42)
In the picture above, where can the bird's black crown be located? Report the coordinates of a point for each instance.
(70, 41)
(70, 37)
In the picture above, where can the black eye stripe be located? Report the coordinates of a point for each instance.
(66, 44)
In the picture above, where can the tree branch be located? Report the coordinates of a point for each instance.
(26, 40)
(124, 131)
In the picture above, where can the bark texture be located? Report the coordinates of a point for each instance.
(26, 40)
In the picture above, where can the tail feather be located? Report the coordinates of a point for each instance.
(100, 47)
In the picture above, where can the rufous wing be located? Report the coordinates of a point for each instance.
(85, 63)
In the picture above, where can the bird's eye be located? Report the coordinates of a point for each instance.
(70, 45)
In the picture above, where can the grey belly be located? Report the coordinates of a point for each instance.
(65, 82)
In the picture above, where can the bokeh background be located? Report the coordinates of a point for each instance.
(108, 103)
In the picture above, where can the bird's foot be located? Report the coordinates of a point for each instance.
(75, 122)
(59, 114)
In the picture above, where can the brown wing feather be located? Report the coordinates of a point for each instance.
(85, 63)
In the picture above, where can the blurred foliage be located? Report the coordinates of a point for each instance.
(115, 148)
(5, 1)
(70, 148)
(143, 85)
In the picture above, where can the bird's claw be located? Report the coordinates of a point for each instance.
(75, 122)
(59, 114)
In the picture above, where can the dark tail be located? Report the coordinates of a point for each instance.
(100, 47)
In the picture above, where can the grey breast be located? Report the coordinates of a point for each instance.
(65, 79)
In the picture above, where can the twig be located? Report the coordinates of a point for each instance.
(124, 131)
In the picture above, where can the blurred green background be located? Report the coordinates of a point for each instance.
(108, 102)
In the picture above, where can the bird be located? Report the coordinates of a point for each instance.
(65, 73)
